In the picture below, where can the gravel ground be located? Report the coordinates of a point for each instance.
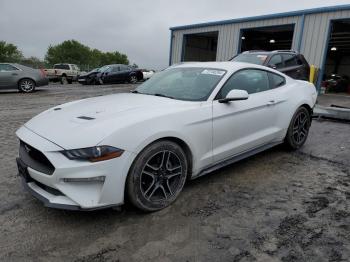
(275, 206)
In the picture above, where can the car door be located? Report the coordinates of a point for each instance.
(9, 76)
(116, 74)
(292, 67)
(110, 74)
(240, 126)
(125, 72)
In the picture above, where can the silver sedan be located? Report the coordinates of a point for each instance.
(23, 78)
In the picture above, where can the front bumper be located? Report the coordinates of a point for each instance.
(57, 193)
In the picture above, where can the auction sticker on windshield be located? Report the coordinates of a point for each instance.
(213, 72)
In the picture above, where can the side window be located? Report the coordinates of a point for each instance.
(276, 80)
(290, 60)
(116, 69)
(7, 67)
(251, 80)
(276, 61)
(124, 68)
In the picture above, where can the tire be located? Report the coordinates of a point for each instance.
(157, 176)
(133, 79)
(26, 85)
(298, 129)
(64, 80)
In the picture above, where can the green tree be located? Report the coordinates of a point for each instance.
(9, 53)
(70, 51)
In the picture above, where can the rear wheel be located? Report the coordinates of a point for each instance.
(298, 129)
(64, 80)
(26, 85)
(133, 79)
(157, 176)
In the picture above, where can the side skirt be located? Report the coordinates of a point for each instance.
(234, 159)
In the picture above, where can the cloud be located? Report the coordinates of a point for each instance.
(139, 28)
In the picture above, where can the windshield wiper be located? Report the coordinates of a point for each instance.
(162, 95)
(156, 94)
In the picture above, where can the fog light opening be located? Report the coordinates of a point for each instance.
(87, 179)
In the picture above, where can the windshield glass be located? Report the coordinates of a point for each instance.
(185, 83)
(257, 59)
(103, 68)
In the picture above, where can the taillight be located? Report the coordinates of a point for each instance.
(43, 74)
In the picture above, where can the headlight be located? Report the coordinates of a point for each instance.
(93, 154)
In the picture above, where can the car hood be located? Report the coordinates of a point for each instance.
(88, 74)
(87, 122)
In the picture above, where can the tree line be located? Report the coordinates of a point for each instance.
(69, 51)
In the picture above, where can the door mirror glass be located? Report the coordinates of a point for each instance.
(235, 95)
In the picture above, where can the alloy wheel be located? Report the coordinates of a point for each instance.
(300, 128)
(133, 79)
(27, 85)
(161, 176)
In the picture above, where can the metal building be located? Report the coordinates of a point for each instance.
(321, 34)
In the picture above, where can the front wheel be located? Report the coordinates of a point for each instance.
(26, 85)
(157, 176)
(298, 129)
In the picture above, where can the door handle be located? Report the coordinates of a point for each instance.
(14, 74)
(271, 103)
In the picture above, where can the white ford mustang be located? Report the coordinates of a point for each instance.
(184, 122)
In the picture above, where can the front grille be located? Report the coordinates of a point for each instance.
(35, 159)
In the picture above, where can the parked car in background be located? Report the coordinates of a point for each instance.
(91, 78)
(290, 63)
(337, 83)
(147, 74)
(184, 122)
(64, 73)
(119, 73)
(23, 78)
(88, 78)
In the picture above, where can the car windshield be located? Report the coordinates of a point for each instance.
(94, 70)
(103, 68)
(257, 59)
(184, 83)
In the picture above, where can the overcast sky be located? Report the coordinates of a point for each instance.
(138, 28)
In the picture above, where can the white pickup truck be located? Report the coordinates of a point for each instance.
(65, 73)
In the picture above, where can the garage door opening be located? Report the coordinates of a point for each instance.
(200, 47)
(267, 38)
(337, 67)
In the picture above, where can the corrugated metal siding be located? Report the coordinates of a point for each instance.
(315, 35)
(313, 43)
(228, 41)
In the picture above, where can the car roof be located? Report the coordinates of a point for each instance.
(263, 52)
(226, 65)
(229, 66)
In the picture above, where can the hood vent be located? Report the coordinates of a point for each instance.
(85, 118)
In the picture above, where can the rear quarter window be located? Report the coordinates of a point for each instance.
(276, 80)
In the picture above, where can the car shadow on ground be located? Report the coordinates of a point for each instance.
(11, 92)
(128, 210)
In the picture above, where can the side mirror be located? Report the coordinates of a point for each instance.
(272, 66)
(235, 95)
